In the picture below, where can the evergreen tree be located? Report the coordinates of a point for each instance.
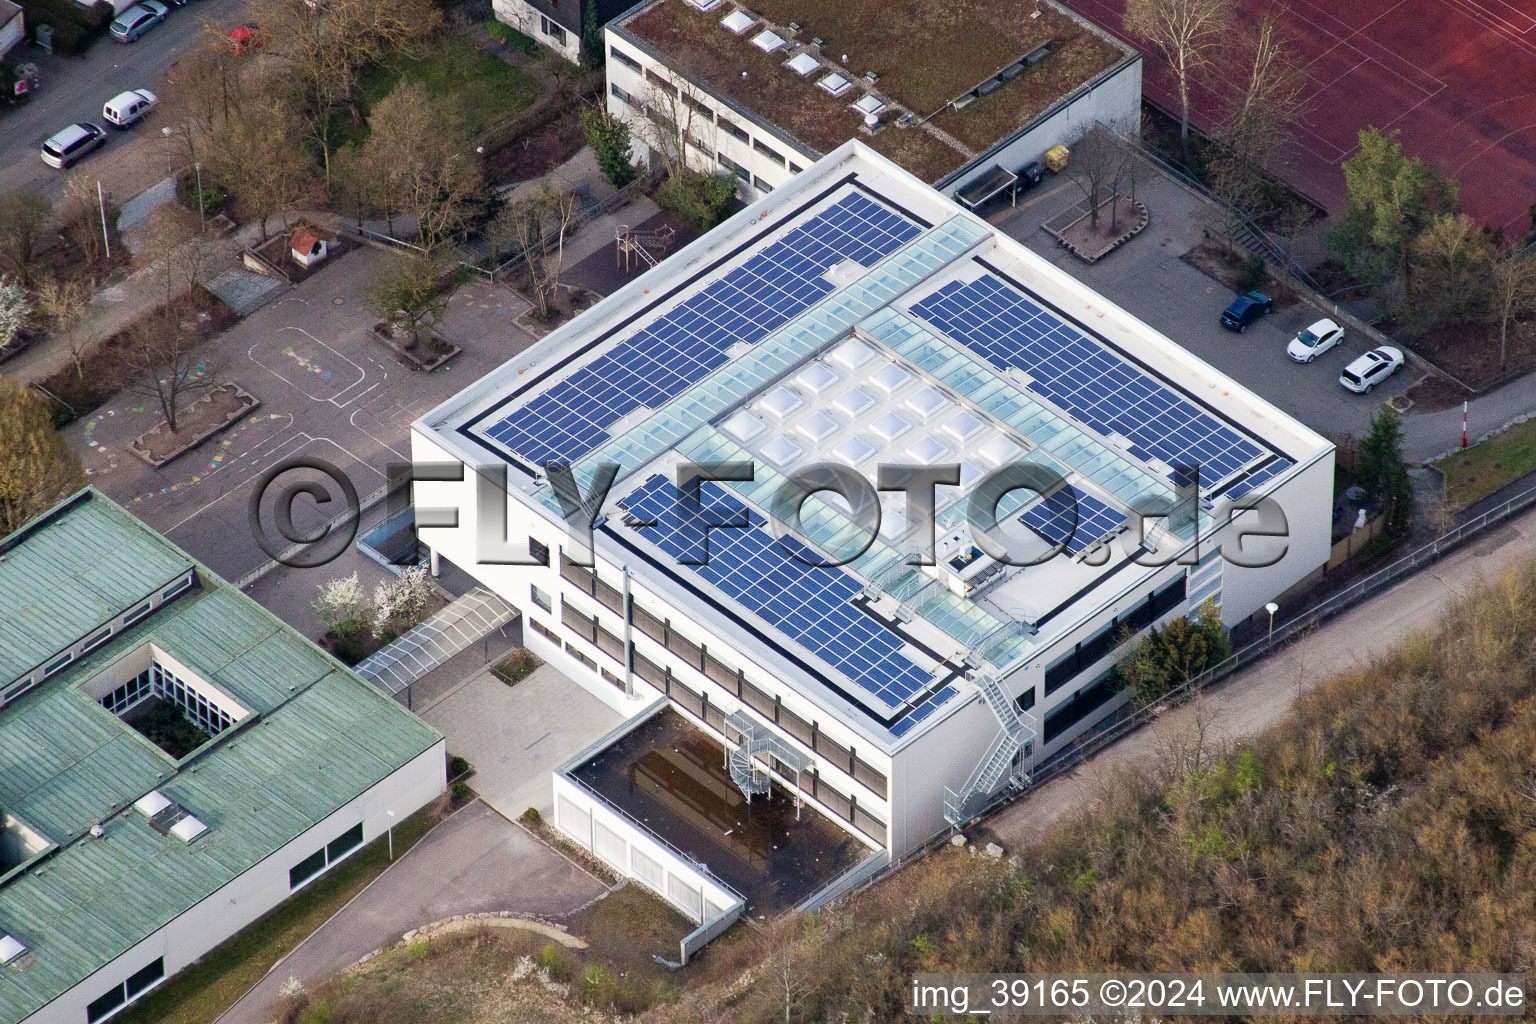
(591, 37)
(609, 138)
(1380, 470)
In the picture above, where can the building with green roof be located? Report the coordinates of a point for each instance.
(175, 761)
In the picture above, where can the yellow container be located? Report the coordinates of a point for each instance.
(1056, 158)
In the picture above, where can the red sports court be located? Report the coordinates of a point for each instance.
(1456, 77)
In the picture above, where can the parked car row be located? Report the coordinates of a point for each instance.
(1360, 376)
(65, 148)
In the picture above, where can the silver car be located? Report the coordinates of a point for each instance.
(137, 20)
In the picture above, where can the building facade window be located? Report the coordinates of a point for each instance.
(622, 96)
(762, 186)
(125, 992)
(768, 151)
(328, 856)
(552, 29)
(735, 168)
(541, 599)
(624, 58)
(539, 551)
(732, 129)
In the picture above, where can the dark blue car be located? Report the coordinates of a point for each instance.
(1245, 309)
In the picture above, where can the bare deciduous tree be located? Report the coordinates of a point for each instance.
(1188, 35)
(24, 217)
(66, 303)
(1260, 118)
(1100, 162)
(1514, 292)
(162, 351)
(412, 149)
(325, 45)
(257, 156)
(538, 226)
(673, 117)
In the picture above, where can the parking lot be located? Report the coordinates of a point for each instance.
(1147, 278)
(74, 89)
(327, 390)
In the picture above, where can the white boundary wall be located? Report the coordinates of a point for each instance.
(621, 844)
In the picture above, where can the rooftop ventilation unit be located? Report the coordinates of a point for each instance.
(10, 949)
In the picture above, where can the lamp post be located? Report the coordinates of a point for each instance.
(391, 834)
(202, 224)
(1271, 607)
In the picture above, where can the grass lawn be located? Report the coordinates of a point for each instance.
(478, 86)
(210, 986)
(1484, 468)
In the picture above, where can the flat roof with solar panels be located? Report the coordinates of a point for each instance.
(857, 317)
(162, 739)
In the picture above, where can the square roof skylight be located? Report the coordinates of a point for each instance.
(854, 450)
(817, 377)
(891, 426)
(999, 451)
(738, 21)
(890, 378)
(928, 451)
(742, 425)
(927, 402)
(10, 948)
(852, 354)
(188, 829)
(964, 426)
(854, 401)
(782, 451)
(768, 41)
(818, 426)
(970, 472)
(781, 402)
(152, 803)
(868, 105)
(835, 84)
(704, 5)
(802, 64)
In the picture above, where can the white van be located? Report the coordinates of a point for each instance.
(125, 108)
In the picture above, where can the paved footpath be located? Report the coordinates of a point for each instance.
(474, 862)
(1261, 696)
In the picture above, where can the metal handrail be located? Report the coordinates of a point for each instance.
(1344, 599)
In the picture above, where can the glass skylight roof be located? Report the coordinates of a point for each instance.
(853, 401)
(737, 21)
(802, 64)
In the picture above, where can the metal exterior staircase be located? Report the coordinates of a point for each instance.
(1017, 731)
(754, 741)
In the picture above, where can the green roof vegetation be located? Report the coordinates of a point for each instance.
(315, 737)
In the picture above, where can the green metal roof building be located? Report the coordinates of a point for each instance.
(131, 847)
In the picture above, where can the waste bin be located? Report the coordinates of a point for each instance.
(1056, 158)
(44, 37)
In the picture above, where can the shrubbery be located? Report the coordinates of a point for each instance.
(697, 198)
(1167, 658)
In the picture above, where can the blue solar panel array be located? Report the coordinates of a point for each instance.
(1259, 476)
(1083, 378)
(573, 416)
(1053, 518)
(810, 605)
(929, 705)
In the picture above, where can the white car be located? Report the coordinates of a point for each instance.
(128, 107)
(1314, 341)
(1371, 369)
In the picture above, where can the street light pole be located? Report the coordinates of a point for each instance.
(1271, 607)
(202, 223)
(391, 834)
